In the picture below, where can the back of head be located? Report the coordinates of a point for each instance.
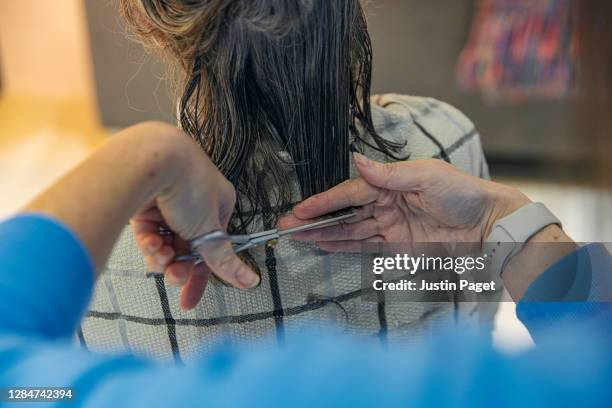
(260, 77)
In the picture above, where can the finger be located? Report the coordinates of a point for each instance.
(348, 246)
(291, 221)
(351, 193)
(149, 244)
(160, 260)
(220, 257)
(157, 263)
(400, 176)
(361, 213)
(193, 290)
(164, 256)
(341, 232)
(177, 273)
(152, 265)
(147, 236)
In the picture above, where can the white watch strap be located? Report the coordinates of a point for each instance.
(509, 234)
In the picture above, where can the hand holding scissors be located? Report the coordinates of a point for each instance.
(246, 241)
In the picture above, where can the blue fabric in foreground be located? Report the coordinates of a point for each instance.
(46, 277)
(46, 281)
(576, 290)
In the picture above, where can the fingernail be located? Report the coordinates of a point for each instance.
(305, 204)
(247, 277)
(192, 301)
(187, 301)
(361, 159)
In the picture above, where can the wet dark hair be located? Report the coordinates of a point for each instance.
(264, 76)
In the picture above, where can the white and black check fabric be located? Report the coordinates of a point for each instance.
(301, 285)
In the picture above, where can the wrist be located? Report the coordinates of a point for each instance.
(504, 200)
(160, 155)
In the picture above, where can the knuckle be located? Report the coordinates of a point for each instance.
(378, 228)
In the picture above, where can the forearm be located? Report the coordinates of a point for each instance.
(97, 198)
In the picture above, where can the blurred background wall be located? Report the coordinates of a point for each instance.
(48, 106)
(131, 84)
(44, 58)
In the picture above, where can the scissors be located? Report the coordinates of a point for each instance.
(247, 241)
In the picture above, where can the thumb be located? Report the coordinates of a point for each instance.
(400, 176)
(220, 257)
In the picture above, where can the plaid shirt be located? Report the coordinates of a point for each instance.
(301, 285)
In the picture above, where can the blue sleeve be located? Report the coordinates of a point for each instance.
(576, 290)
(327, 369)
(46, 277)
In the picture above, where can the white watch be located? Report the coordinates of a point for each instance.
(509, 234)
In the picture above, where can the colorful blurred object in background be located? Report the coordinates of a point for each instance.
(520, 49)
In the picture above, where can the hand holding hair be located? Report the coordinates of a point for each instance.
(410, 201)
(156, 175)
(423, 201)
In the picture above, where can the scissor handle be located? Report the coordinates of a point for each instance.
(239, 243)
(209, 236)
(188, 257)
(238, 247)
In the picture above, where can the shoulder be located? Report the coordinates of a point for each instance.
(429, 128)
(421, 106)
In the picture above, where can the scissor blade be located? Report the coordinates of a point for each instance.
(316, 225)
(244, 242)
